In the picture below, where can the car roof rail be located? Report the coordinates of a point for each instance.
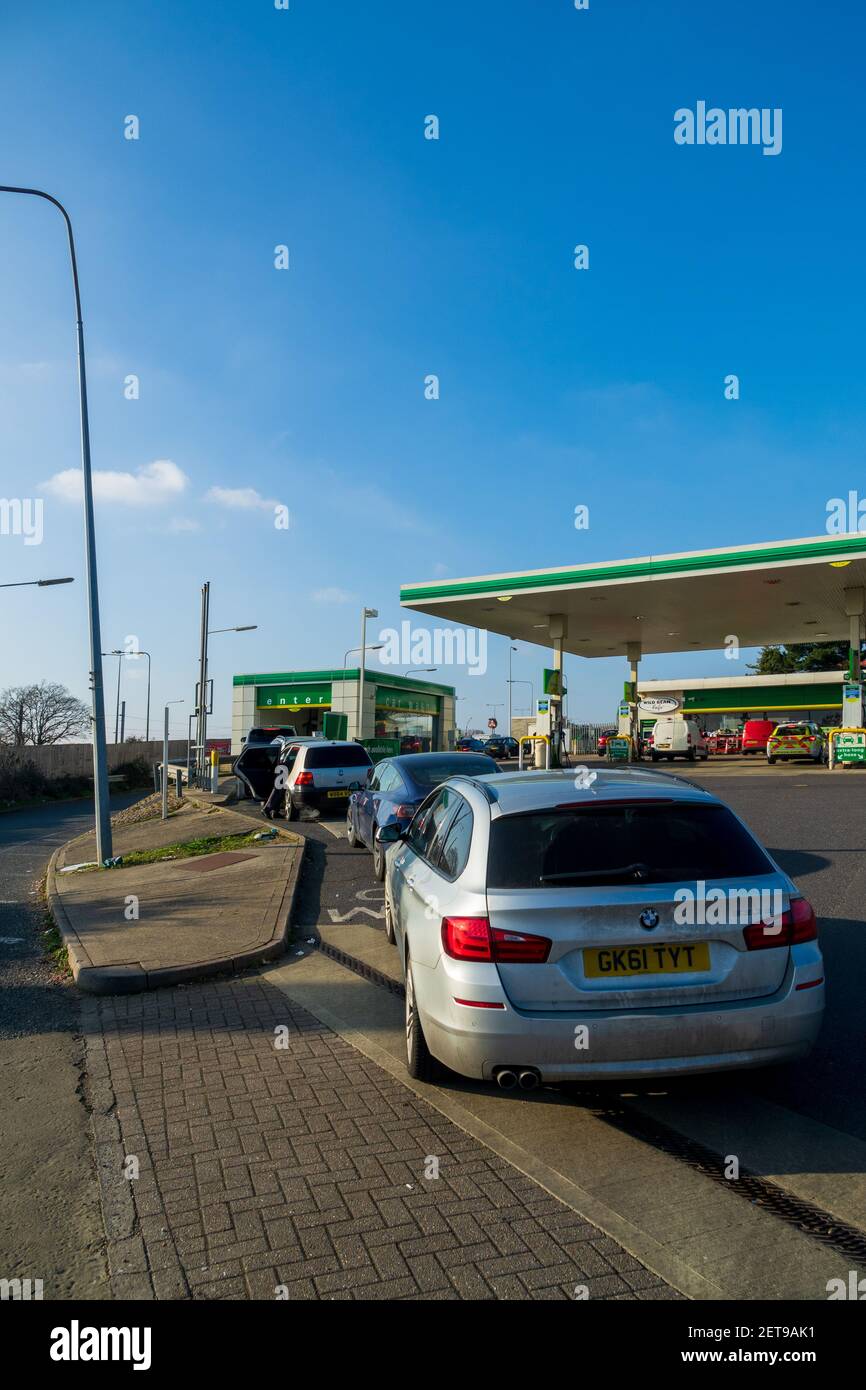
(484, 787)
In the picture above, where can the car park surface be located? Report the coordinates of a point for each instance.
(518, 927)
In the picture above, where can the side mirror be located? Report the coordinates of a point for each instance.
(389, 834)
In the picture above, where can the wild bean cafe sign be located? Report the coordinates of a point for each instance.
(659, 704)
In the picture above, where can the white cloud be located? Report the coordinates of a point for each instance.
(333, 595)
(245, 498)
(160, 481)
(182, 523)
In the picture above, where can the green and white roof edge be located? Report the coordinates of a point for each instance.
(773, 592)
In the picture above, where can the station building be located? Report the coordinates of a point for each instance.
(725, 702)
(397, 712)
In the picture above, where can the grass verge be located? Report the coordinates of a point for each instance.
(189, 849)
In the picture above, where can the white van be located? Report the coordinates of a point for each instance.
(678, 738)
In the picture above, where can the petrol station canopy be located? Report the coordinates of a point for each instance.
(778, 592)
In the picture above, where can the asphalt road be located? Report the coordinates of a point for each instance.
(815, 826)
(50, 1220)
(50, 1224)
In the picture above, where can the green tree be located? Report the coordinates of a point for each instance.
(803, 656)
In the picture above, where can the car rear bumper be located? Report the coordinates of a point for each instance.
(615, 1044)
(316, 799)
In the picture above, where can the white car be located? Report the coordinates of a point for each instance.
(678, 738)
(542, 935)
(323, 774)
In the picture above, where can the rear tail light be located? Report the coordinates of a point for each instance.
(796, 925)
(472, 938)
(304, 779)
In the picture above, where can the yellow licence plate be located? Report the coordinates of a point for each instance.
(691, 957)
(344, 791)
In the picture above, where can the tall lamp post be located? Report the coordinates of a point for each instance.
(510, 683)
(201, 701)
(119, 655)
(365, 614)
(100, 754)
(147, 717)
(165, 758)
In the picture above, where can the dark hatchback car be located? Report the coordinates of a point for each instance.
(396, 790)
(469, 745)
(502, 747)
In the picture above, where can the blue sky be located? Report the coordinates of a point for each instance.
(260, 127)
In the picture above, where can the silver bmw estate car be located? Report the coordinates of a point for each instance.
(631, 927)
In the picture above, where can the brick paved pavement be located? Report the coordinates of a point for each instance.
(305, 1168)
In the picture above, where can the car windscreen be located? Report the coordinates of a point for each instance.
(346, 755)
(635, 842)
(463, 765)
(793, 729)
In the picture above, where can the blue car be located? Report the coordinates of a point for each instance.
(396, 790)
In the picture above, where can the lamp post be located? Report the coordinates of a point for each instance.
(531, 692)
(510, 683)
(416, 670)
(147, 717)
(365, 614)
(118, 654)
(100, 755)
(165, 758)
(201, 702)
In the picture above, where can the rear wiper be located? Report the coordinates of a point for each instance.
(637, 871)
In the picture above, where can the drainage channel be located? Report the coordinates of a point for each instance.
(808, 1219)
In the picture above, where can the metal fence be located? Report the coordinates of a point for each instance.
(584, 737)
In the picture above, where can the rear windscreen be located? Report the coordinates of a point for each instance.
(635, 843)
(256, 758)
(463, 765)
(338, 757)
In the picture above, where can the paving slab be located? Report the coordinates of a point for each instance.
(142, 926)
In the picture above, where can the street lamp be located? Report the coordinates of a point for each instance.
(118, 654)
(147, 721)
(510, 650)
(417, 669)
(165, 758)
(371, 647)
(365, 614)
(201, 702)
(38, 583)
(531, 693)
(100, 755)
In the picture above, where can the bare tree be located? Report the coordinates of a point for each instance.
(39, 714)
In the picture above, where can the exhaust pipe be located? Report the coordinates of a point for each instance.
(506, 1079)
(528, 1080)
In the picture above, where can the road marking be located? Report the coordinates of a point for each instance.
(337, 834)
(11, 940)
(345, 916)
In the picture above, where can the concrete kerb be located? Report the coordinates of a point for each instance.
(133, 978)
